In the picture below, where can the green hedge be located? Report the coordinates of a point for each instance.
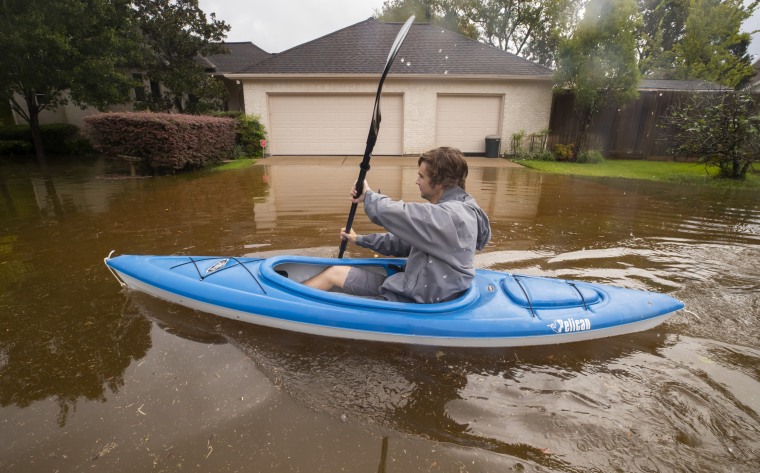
(57, 138)
(15, 147)
(163, 141)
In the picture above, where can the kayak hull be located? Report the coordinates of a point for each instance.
(499, 310)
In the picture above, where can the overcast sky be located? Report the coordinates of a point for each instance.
(279, 25)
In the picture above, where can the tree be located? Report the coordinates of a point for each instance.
(443, 13)
(527, 28)
(662, 27)
(56, 51)
(598, 63)
(695, 39)
(712, 47)
(176, 33)
(721, 129)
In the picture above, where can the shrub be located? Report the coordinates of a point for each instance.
(538, 141)
(57, 138)
(543, 155)
(164, 141)
(564, 152)
(517, 142)
(249, 134)
(11, 147)
(590, 156)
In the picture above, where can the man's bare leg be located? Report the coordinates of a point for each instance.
(334, 276)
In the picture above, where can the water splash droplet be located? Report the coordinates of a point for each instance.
(447, 57)
(440, 50)
(408, 63)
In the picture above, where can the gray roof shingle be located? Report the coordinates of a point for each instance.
(241, 56)
(363, 48)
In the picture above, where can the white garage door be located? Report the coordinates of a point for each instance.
(464, 121)
(333, 124)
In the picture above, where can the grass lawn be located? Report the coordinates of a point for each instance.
(233, 164)
(686, 173)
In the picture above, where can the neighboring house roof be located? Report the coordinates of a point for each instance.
(754, 82)
(695, 85)
(241, 55)
(363, 48)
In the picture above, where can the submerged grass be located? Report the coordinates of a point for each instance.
(234, 164)
(683, 173)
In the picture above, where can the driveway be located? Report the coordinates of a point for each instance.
(376, 161)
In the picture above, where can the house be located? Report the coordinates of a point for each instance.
(754, 82)
(241, 55)
(443, 89)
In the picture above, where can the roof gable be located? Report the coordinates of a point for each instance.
(363, 48)
(241, 56)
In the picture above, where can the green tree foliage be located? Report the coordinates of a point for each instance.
(598, 63)
(528, 28)
(662, 27)
(176, 33)
(444, 13)
(721, 129)
(712, 48)
(695, 39)
(56, 51)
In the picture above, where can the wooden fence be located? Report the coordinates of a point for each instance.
(631, 131)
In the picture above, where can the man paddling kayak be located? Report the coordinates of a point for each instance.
(438, 238)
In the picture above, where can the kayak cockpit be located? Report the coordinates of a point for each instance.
(289, 272)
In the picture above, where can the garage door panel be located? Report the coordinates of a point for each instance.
(463, 121)
(333, 124)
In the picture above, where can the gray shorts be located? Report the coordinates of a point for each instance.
(364, 283)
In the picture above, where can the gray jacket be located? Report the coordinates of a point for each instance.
(439, 240)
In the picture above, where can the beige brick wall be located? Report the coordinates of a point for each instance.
(527, 104)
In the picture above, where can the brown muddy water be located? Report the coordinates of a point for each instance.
(96, 379)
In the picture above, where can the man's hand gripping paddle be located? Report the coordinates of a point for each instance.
(374, 127)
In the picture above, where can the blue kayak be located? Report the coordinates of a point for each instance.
(498, 310)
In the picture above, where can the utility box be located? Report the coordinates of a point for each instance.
(493, 142)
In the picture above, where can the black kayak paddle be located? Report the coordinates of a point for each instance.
(374, 127)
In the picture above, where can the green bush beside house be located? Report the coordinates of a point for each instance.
(57, 139)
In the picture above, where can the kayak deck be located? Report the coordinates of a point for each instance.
(499, 309)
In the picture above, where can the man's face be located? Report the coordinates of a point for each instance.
(428, 191)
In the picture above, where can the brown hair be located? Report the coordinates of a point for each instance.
(446, 166)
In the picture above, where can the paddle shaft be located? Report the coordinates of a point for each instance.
(374, 129)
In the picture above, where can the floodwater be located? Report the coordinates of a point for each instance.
(96, 379)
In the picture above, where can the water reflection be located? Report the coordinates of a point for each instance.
(79, 359)
(307, 192)
(590, 405)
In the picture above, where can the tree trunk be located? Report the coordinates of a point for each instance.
(34, 126)
(745, 167)
(584, 120)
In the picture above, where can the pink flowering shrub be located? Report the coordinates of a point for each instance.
(163, 141)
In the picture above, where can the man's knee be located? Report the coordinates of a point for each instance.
(337, 275)
(333, 276)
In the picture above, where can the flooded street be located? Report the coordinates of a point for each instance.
(96, 379)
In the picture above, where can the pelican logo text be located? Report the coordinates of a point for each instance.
(570, 325)
(217, 266)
